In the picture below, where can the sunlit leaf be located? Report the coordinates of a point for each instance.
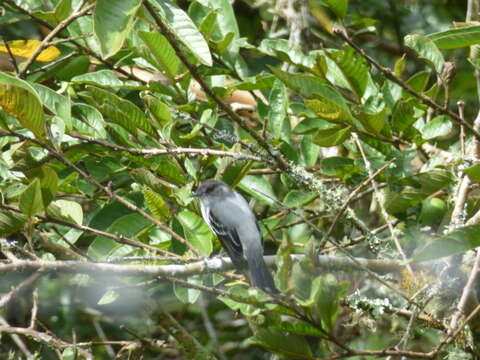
(112, 22)
(26, 48)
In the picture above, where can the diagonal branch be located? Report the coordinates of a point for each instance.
(390, 76)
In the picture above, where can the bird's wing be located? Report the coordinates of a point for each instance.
(229, 238)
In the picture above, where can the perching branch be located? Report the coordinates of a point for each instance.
(215, 264)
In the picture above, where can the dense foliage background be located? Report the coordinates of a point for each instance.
(351, 127)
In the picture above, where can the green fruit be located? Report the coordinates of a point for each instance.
(433, 210)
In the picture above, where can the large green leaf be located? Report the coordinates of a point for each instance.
(283, 50)
(323, 99)
(103, 78)
(31, 202)
(112, 21)
(19, 98)
(291, 345)
(455, 242)
(437, 127)
(121, 111)
(163, 53)
(92, 118)
(335, 135)
(66, 210)
(129, 226)
(156, 205)
(296, 198)
(159, 111)
(353, 67)
(56, 103)
(427, 50)
(339, 7)
(277, 111)
(456, 38)
(196, 232)
(258, 187)
(10, 222)
(188, 295)
(184, 29)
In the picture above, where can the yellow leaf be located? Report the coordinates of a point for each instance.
(25, 49)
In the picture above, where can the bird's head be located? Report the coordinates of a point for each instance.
(211, 188)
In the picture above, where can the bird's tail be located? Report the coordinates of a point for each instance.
(260, 276)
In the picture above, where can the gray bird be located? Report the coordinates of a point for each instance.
(228, 215)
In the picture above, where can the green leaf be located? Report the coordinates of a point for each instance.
(419, 81)
(296, 198)
(299, 327)
(339, 7)
(455, 242)
(258, 187)
(109, 297)
(129, 226)
(429, 181)
(81, 26)
(208, 118)
(92, 118)
(323, 99)
(196, 231)
(437, 127)
(188, 295)
(282, 49)
(66, 210)
(427, 50)
(163, 53)
(473, 172)
(291, 345)
(10, 222)
(156, 205)
(208, 24)
(159, 110)
(31, 202)
(102, 78)
(373, 114)
(327, 296)
(145, 177)
(49, 184)
(339, 167)
(112, 21)
(353, 68)
(332, 136)
(184, 29)
(222, 45)
(171, 171)
(235, 171)
(456, 38)
(403, 115)
(227, 21)
(56, 103)
(277, 110)
(121, 111)
(310, 151)
(19, 98)
(312, 125)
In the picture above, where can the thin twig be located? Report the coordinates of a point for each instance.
(380, 201)
(173, 150)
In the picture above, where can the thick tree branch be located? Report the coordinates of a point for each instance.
(215, 264)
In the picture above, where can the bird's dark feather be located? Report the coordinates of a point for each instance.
(230, 241)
